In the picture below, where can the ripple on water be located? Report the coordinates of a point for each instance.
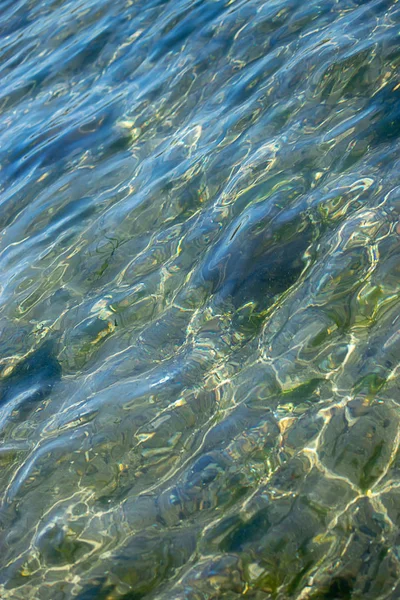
(199, 249)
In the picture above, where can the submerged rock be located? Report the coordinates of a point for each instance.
(31, 380)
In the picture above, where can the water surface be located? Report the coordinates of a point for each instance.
(199, 299)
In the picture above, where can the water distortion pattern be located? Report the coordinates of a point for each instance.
(199, 299)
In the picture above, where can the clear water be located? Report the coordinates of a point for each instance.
(199, 299)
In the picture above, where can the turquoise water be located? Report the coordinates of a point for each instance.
(199, 299)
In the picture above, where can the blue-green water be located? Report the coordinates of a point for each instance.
(199, 299)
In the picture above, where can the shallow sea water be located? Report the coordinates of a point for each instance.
(199, 299)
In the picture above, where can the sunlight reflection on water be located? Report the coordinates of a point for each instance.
(199, 253)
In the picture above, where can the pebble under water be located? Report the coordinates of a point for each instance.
(199, 299)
